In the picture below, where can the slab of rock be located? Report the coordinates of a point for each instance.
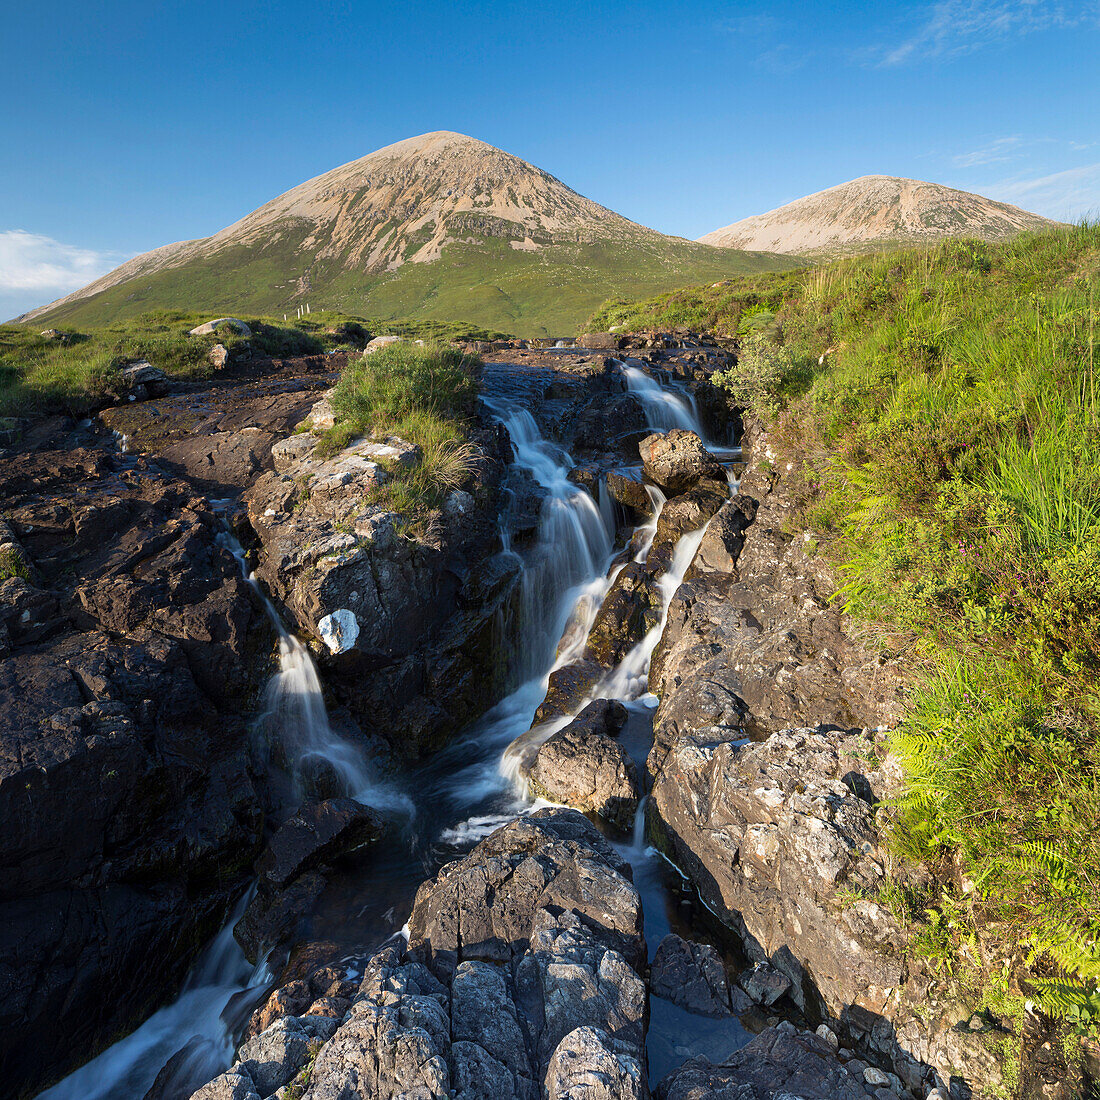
(780, 1062)
(764, 984)
(676, 460)
(208, 328)
(690, 975)
(316, 833)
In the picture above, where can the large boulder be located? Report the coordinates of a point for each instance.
(208, 328)
(520, 979)
(588, 771)
(691, 975)
(676, 460)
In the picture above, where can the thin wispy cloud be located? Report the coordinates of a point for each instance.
(764, 41)
(997, 151)
(1072, 193)
(956, 27)
(35, 269)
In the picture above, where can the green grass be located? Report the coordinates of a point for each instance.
(950, 443)
(426, 396)
(480, 282)
(38, 375)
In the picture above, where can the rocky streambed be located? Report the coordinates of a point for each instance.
(607, 615)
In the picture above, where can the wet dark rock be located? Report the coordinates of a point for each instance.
(780, 1062)
(630, 610)
(676, 460)
(273, 916)
(568, 687)
(130, 655)
(690, 975)
(316, 833)
(690, 511)
(607, 423)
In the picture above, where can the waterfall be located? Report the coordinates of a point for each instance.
(664, 408)
(295, 712)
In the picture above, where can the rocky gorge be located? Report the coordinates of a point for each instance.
(371, 764)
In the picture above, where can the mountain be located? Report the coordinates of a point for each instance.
(873, 211)
(440, 225)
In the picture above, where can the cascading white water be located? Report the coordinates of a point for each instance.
(664, 408)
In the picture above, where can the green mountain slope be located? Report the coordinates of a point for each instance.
(439, 226)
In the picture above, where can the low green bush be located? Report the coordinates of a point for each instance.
(426, 396)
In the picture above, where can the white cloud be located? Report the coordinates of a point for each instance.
(1073, 193)
(32, 262)
(956, 27)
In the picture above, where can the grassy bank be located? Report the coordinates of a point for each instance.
(943, 403)
(40, 375)
(427, 396)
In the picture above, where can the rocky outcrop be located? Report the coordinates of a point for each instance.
(753, 640)
(520, 979)
(131, 653)
(782, 834)
(418, 646)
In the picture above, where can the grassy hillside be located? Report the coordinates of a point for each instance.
(38, 374)
(481, 282)
(943, 404)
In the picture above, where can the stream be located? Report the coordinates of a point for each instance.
(441, 809)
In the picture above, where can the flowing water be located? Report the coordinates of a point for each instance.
(464, 792)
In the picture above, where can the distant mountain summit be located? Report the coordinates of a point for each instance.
(440, 225)
(873, 211)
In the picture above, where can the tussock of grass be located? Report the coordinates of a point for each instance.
(426, 396)
(945, 402)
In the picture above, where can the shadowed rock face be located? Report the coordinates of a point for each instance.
(779, 1062)
(130, 654)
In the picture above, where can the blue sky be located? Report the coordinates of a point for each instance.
(128, 125)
